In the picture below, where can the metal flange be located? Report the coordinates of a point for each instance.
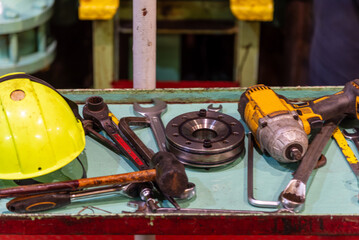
(205, 138)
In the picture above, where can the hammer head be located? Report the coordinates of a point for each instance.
(171, 176)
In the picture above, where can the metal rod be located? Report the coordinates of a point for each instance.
(144, 44)
(41, 38)
(14, 48)
(251, 199)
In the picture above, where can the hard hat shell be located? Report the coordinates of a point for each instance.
(39, 132)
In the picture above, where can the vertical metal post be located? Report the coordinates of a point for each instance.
(41, 38)
(144, 53)
(144, 44)
(14, 48)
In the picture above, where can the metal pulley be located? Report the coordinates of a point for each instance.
(205, 138)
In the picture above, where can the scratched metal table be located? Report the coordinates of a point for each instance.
(331, 206)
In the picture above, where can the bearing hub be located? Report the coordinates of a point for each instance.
(205, 138)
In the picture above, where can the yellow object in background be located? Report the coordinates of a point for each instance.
(252, 10)
(97, 9)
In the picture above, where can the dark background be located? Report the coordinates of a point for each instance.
(284, 49)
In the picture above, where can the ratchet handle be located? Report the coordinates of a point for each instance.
(38, 202)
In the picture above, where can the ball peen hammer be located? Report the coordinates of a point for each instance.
(167, 172)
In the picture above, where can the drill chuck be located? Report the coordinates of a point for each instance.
(282, 137)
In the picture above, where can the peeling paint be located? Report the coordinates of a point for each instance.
(190, 95)
(144, 12)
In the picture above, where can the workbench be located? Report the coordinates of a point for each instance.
(331, 207)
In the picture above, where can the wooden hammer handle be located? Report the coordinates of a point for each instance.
(73, 185)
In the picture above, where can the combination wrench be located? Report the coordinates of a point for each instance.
(154, 114)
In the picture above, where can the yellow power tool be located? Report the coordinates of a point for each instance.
(281, 127)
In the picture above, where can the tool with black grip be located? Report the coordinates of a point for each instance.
(52, 200)
(168, 174)
(47, 201)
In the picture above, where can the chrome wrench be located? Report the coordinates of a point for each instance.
(154, 114)
(294, 195)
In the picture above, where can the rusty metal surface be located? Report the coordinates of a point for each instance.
(182, 225)
(190, 95)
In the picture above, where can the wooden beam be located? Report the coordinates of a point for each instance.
(103, 53)
(247, 53)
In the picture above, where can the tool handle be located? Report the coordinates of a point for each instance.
(158, 130)
(73, 185)
(125, 124)
(343, 103)
(314, 151)
(38, 203)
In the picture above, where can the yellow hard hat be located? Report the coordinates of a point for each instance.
(39, 132)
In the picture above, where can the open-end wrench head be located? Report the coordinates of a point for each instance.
(293, 196)
(189, 192)
(158, 107)
(349, 135)
(215, 109)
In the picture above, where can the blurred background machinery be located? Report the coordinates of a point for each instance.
(25, 42)
(200, 43)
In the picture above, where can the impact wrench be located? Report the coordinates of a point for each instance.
(281, 128)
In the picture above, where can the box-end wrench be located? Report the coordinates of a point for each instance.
(154, 115)
(97, 110)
